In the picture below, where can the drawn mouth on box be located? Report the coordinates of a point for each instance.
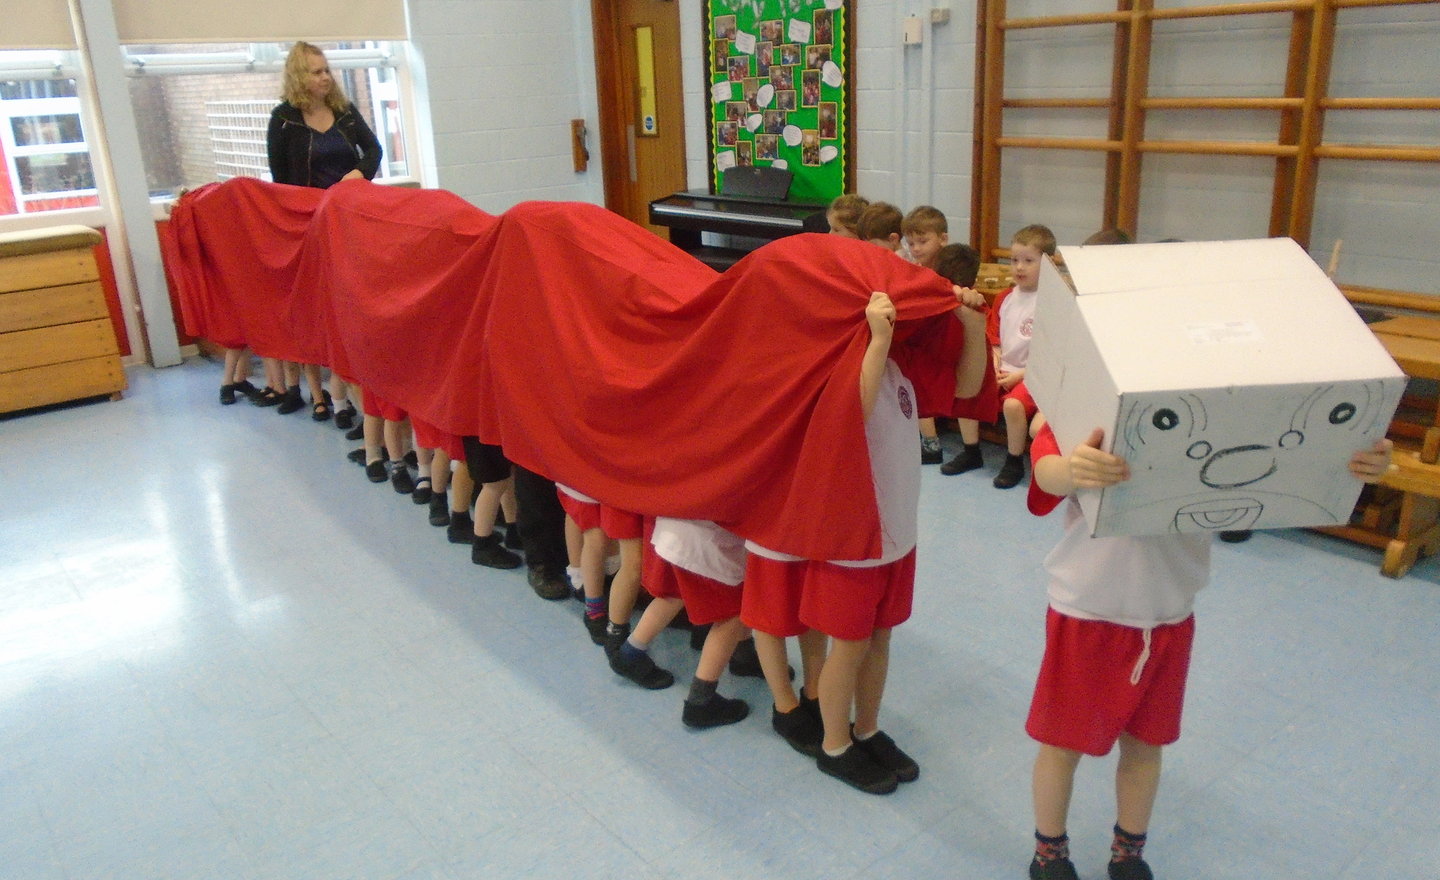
(1218, 514)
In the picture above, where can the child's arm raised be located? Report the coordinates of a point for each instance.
(880, 315)
(970, 370)
(1087, 467)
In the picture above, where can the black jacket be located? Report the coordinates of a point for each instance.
(288, 143)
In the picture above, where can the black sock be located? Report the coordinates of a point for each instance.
(1051, 849)
(1126, 846)
(701, 691)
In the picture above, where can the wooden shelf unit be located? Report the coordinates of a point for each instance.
(56, 339)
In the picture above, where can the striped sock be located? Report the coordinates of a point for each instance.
(1051, 849)
(1126, 846)
(594, 607)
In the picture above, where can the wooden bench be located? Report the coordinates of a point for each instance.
(56, 339)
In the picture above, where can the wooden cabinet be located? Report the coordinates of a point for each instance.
(56, 339)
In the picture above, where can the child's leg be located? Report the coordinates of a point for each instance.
(870, 684)
(775, 663)
(930, 452)
(314, 382)
(838, 682)
(440, 470)
(593, 548)
(1017, 430)
(486, 548)
(424, 484)
(720, 643)
(397, 435)
(968, 458)
(625, 588)
(487, 504)
(1137, 779)
(573, 541)
(1017, 426)
(374, 428)
(814, 645)
(1051, 785)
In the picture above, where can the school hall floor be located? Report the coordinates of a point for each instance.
(225, 654)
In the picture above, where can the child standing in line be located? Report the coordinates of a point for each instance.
(1011, 323)
(858, 603)
(490, 470)
(843, 215)
(925, 232)
(1117, 652)
(696, 566)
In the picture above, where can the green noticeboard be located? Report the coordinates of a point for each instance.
(780, 90)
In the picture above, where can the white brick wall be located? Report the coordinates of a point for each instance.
(506, 76)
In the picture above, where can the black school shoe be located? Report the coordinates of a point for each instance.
(642, 670)
(488, 552)
(714, 712)
(244, 387)
(401, 481)
(595, 626)
(345, 418)
(800, 727)
(462, 528)
(857, 769)
(227, 395)
(439, 509)
(883, 750)
(292, 402)
(967, 459)
(1055, 869)
(1011, 472)
(375, 471)
(268, 397)
(1130, 869)
(355, 433)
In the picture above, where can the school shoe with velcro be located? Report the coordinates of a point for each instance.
(487, 551)
(375, 471)
(885, 753)
(714, 712)
(1055, 869)
(857, 769)
(640, 669)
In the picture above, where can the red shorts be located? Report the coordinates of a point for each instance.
(851, 603)
(427, 436)
(770, 601)
(1097, 682)
(656, 574)
(786, 598)
(1022, 394)
(585, 513)
(374, 405)
(622, 525)
(706, 599)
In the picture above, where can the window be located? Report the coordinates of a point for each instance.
(204, 108)
(44, 158)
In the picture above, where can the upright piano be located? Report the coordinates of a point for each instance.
(752, 208)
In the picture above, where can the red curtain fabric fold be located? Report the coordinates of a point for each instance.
(593, 351)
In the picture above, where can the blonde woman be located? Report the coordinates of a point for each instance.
(316, 138)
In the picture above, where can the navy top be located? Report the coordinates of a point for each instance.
(331, 157)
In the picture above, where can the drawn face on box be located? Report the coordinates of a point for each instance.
(1245, 458)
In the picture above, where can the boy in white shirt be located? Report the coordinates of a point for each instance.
(1117, 652)
(1009, 328)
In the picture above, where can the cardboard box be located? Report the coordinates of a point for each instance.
(1233, 376)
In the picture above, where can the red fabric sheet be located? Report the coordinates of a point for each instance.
(593, 351)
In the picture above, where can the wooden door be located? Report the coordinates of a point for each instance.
(642, 113)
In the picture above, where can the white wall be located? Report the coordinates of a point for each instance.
(504, 79)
